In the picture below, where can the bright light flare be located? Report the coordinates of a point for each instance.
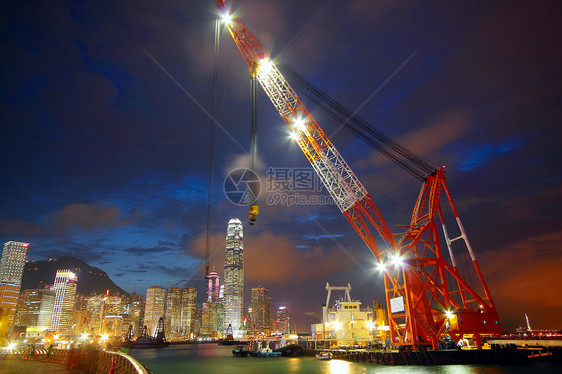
(84, 336)
(11, 346)
(397, 260)
(449, 314)
(300, 124)
(294, 135)
(381, 266)
(337, 325)
(265, 66)
(104, 337)
(226, 18)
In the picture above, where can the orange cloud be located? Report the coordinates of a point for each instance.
(270, 258)
(524, 277)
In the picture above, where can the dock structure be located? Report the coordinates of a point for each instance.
(506, 355)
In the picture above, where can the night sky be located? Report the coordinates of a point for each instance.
(105, 139)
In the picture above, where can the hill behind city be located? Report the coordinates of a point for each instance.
(37, 274)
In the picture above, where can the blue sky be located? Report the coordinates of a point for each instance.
(105, 139)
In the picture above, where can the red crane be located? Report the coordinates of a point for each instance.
(426, 297)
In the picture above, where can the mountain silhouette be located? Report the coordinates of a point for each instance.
(37, 274)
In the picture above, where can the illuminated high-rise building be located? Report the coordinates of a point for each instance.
(188, 310)
(136, 308)
(213, 287)
(154, 307)
(282, 320)
(11, 273)
(37, 308)
(114, 306)
(209, 320)
(173, 311)
(234, 277)
(65, 297)
(95, 305)
(261, 306)
(9, 295)
(220, 313)
(13, 262)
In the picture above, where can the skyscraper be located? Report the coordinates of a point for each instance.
(213, 287)
(9, 294)
(261, 306)
(11, 272)
(154, 307)
(173, 311)
(234, 277)
(13, 262)
(37, 308)
(282, 320)
(136, 309)
(188, 310)
(65, 297)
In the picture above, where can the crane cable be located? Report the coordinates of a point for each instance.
(212, 143)
(408, 160)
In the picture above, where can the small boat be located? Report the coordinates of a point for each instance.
(240, 351)
(265, 352)
(325, 356)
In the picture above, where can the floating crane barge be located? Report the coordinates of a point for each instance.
(426, 296)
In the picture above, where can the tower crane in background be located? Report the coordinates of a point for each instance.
(426, 297)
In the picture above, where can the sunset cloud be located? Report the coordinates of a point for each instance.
(270, 258)
(524, 277)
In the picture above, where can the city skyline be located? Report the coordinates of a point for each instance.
(106, 139)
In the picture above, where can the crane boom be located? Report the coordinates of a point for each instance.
(426, 297)
(345, 188)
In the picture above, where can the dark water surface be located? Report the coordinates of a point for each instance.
(215, 359)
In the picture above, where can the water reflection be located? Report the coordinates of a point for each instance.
(338, 367)
(213, 359)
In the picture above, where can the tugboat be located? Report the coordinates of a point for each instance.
(240, 351)
(265, 352)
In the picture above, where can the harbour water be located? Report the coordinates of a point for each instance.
(216, 359)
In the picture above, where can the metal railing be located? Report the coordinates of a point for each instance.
(87, 360)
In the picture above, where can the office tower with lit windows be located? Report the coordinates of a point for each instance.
(13, 262)
(37, 308)
(261, 306)
(9, 295)
(282, 320)
(95, 305)
(65, 297)
(11, 273)
(154, 307)
(136, 309)
(213, 287)
(188, 310)
(209, 320)
(234, 277)
(173, 311)
(220, 313)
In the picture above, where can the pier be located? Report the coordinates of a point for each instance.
(506, 355)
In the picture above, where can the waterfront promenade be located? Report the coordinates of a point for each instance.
(71, 361)
(34, 367)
